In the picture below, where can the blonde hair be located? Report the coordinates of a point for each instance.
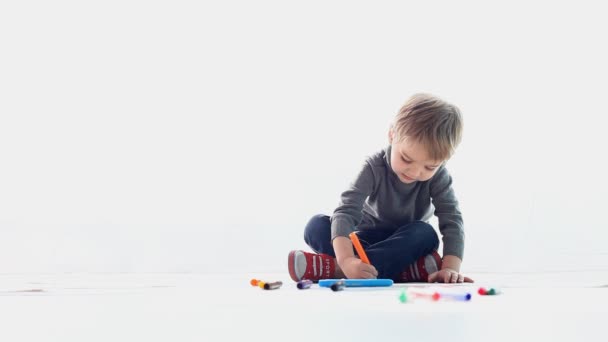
(432, 122)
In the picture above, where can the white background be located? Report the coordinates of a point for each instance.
(189, 136)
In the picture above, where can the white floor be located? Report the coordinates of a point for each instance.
(225, 307)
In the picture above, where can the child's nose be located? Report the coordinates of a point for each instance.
(416, 172)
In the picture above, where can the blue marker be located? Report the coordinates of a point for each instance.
(456, 296)
(357, 282)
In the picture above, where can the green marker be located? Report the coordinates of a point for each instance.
(493, 292)
(403, 296)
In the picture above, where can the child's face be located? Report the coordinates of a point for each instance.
(410, 162)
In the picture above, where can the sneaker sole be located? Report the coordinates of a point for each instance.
(438, 260)
(424, 274)
(291, 265)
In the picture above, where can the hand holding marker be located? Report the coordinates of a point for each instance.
(339, 285)
(355, 240)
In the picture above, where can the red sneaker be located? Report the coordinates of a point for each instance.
(419, 271)
(304, 265)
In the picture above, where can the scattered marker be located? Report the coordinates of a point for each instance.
(357, 282)
(272, 286)
(435, 296)
(304, 284)
(456, 296)
(491, 292)
(337, 286)
(403, 297)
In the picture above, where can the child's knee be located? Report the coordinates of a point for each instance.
(317, 225)
(427, 234)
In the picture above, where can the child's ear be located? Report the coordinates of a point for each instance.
(390, 135)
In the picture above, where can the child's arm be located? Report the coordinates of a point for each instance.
(450, 226)
(451, 262)
(352, 267)
(344, 220)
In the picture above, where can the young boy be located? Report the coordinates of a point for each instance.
(389, 203)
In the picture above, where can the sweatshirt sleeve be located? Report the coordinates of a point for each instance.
(448, 214)
(348, 213)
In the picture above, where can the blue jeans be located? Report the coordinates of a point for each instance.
(389, 249)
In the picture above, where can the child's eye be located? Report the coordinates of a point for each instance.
(405, 160)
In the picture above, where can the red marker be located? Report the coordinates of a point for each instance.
(435, 296)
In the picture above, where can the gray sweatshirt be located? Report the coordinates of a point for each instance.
(377, 198)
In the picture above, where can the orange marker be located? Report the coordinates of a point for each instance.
(353, 237)
(254, 282)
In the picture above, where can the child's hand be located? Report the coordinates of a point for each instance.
(354, 268)
(447, 275)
